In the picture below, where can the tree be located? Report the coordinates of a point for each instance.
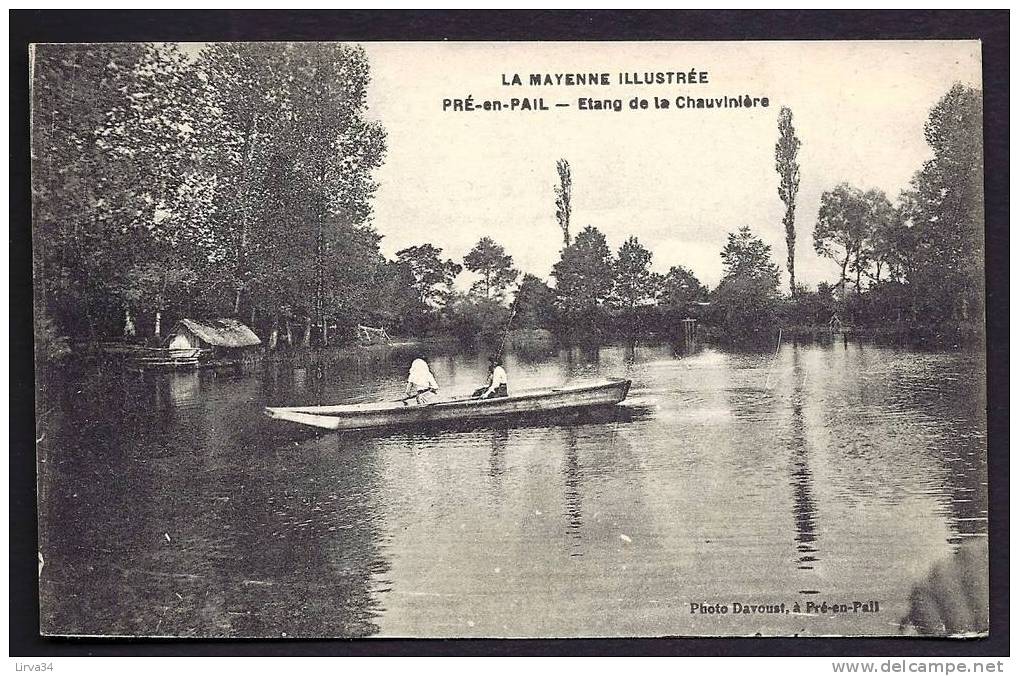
(150, 287)
(400, 306)
(474, 319)
(294, 163)
(534, 304)
(745, 255)
(78, 192)
(353, 270)
(681, 291)
(257, 181)
(495, 266)
(842, 227)
(858, 229)
(789, 184)
(744, 305)
(583, 281)
(336, 146)
(429, 274)
(944, 208)
(563, 193)
(238, 178)
(883, 237)
(634, 284)
(152, 136)
(809, 308)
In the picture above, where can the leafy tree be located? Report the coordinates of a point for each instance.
(428, 274)
(884, 237)
(842, 227)
(745, 255)
(681, 291)
(944, 208)
(534, 303)
(473, 320)
(400, 308)
(240, 177)
(857, 229)
(807, 308)
(257, 182)
(789, 184)
(583, 281)
(353, 271)
(564, 192)
(78, 192)
(904, 239)
(634, 284)
(152, 136)
(495, 266)
(295, 158)
(744, 305)
(336, 146)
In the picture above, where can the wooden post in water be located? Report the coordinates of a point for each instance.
(778, 346)
(689, 331)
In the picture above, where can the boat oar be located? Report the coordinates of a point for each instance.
(404, 400)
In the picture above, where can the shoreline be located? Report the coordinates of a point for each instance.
(947, 335)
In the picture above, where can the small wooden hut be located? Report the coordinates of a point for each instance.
(218, 338)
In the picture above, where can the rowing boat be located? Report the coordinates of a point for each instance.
(389, 414)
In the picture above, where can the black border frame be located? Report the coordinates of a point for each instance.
(28, 26)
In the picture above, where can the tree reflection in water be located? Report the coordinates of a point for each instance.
(573, 487)
(801, 478)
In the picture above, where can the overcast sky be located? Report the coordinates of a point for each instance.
(677, 179)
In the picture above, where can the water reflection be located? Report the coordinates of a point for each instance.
(572, 484)
(804, 507)
(497, 458)
(170, 505)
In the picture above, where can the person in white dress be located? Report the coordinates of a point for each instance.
(421, 385)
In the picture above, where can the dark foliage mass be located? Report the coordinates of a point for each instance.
(917, 262)
(236, 180)
(744, 304)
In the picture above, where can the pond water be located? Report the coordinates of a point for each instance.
(170, 506)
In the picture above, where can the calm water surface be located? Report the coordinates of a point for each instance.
(170, 506)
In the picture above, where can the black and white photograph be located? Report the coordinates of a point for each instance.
(482, 339)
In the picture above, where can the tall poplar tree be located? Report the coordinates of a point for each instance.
(250, 108)
(788, 185)
(564, 193)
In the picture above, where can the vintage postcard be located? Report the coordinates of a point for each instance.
(492, 339)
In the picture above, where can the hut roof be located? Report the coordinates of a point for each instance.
(222, 332)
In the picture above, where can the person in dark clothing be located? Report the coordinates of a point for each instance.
(498, 383)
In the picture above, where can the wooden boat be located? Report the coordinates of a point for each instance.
(396, 413)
